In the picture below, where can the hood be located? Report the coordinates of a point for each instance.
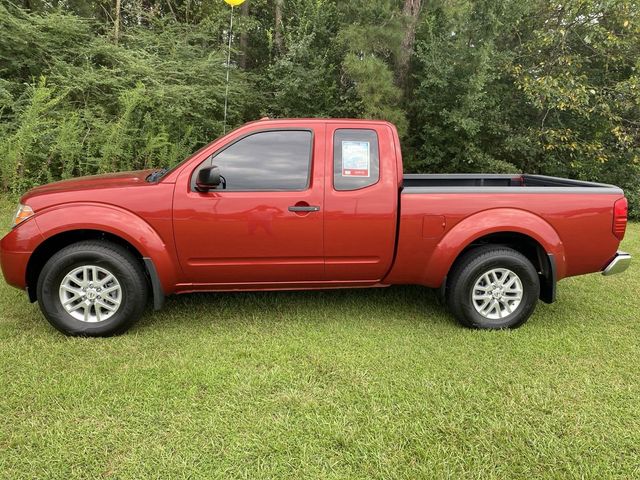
(110, 180)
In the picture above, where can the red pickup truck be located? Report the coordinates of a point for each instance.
(306, 204)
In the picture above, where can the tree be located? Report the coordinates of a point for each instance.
(116, 22)
(244, 37)
(509, 86)
(279, 6)
(371, 47)
(411, 12)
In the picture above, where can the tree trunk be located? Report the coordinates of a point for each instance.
(116, 29)
(411, 11)
(244, 38)
(278, 29)
(173, 13)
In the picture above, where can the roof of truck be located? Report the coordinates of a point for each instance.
(322, 120)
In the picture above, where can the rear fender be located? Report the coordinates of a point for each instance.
(118, 222)
(484, 223)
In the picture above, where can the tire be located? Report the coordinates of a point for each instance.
(99, 277)
(483, 288)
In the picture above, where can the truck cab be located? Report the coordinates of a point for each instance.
(338, 223)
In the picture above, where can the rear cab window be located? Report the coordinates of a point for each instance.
(356, 162)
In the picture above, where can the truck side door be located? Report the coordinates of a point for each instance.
(360, 202)
(265, 226)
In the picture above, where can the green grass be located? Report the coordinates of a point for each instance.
(351, 384)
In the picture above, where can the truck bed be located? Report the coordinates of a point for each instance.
(500, 183)
(577, 215)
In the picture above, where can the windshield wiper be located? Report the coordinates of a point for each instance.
(155, 176)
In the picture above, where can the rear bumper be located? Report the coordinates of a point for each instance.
(618, 264)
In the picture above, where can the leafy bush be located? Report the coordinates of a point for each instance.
(539, 87)
(74, 103)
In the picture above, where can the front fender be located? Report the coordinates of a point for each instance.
(498, 220)
(116, 221)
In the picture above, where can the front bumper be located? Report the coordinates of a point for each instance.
(618, 264)
(14, 267)
(16, 249)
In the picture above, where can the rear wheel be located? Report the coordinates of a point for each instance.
(493, 287)
(92, 288)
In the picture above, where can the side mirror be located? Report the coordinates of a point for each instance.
(208, 178)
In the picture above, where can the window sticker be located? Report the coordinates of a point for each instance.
(355, 159)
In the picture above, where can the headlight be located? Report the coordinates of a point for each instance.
(23, 212)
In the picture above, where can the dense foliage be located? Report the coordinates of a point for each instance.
(494, 86)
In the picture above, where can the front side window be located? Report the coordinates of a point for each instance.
(266, 161)
(355, 159)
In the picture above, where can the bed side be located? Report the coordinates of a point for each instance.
(438, 223)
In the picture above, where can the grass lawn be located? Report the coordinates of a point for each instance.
(351, 384)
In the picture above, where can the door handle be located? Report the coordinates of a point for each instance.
(304, 208)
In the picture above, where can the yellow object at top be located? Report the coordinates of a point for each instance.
(234, 3)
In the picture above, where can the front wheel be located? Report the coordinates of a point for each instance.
(92, 288)
(493, 287)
